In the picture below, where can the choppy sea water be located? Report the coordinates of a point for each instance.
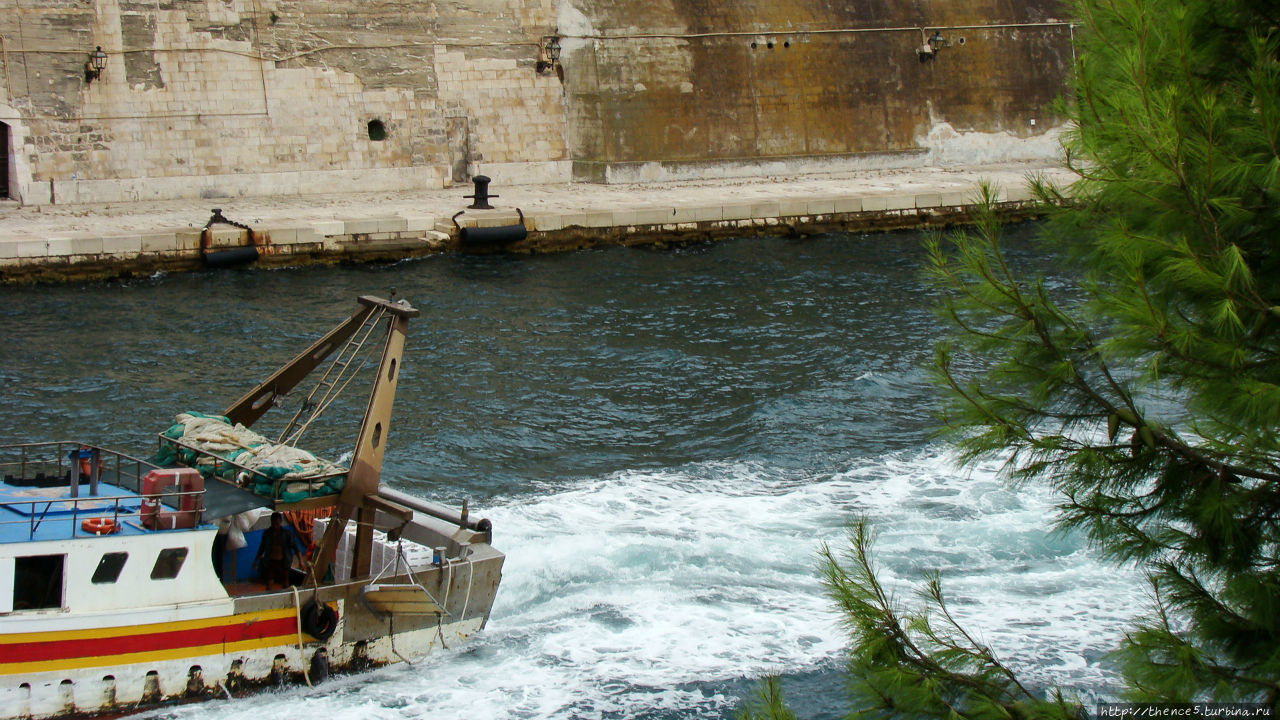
(662, 439)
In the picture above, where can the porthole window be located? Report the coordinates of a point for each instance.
(109, 567)
(168, 563)
(377, 131)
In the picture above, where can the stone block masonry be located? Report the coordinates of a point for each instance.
(244, 99)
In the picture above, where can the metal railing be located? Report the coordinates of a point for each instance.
(67, 464)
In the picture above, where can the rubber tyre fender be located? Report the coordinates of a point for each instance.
(319, 620)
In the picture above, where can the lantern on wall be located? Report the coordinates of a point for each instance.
(548, 54)
(94, 66)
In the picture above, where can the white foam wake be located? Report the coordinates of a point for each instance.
(643, 592)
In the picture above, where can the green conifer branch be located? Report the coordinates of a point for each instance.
(1147, 395)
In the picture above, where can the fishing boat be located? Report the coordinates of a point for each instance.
(128, 582)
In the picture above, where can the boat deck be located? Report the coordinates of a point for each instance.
(34, 514)
(29, 514)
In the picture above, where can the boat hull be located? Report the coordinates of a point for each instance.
(101, 668)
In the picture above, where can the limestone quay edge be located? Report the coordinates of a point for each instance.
(396, 234)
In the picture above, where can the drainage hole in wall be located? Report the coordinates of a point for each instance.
(377, 131)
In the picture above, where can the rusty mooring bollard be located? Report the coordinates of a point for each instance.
(482, 194)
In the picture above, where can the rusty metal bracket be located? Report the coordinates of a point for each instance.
(217, 217)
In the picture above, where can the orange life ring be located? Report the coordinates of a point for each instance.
(99, 525)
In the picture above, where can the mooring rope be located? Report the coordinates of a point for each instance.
(297, 616)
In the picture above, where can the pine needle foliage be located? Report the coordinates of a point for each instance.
(1150, 397)
(768, 703)
(921, 663)
(1147, 394)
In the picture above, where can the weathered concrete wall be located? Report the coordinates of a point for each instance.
(227, 98)
(678, 86)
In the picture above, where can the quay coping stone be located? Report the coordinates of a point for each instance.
(900, 202)
(766, 209)
(280, 235)
(1017, 193)
(186, 239)
(419, 223)
(75, 244)
(600, 219)
(359, 226)
(793, 207)
(928, 200)
(820, 206)
(682, 214)
(392, 224)
(546, 223)
(122, 244)
(329, 228)
(654, 216)
(14, 249)
(848, 204)
(713, 213)
(875, 203)
(578, 219)
(159, 242)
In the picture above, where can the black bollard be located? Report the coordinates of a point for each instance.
(482, 194)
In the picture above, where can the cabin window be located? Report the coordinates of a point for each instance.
(37, 582)
(168, 563)
(109, 568)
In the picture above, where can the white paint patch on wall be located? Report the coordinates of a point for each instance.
(571, 21)
(947, 146)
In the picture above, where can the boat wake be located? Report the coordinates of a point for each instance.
(664, 594)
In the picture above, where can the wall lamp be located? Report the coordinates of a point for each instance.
(94, 66)
(548, 54)
(929, 48)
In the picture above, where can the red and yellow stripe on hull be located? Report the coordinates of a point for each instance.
(112, 647)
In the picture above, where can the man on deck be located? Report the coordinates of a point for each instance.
(276, 552)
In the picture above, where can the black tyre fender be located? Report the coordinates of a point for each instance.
(318, 620)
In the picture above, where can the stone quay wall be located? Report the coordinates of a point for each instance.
(242, 98)
(61, 243)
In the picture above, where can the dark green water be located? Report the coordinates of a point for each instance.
(662, 438)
